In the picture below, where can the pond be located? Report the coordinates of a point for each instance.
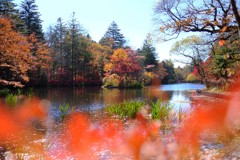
(95, 98)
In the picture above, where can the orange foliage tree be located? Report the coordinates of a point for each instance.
(124, 65)
(15, 57)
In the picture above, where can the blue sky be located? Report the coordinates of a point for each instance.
(134, 18)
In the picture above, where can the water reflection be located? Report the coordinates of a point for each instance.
(182, 87)
(180, 99)
(95, 98)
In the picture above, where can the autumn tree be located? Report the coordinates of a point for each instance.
(218, 20)
(113, 33)
(192, 51)
(8, 10)
(100, 54)
(122, 69)
(206, 16)
(15, 57)
(225, 59)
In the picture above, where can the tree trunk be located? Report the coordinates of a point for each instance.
(236, 14)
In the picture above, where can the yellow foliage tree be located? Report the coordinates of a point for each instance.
(100, 54)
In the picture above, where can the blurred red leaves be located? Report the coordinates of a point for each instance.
(221, 42)
(8, 124)
(139, 134)
(207, 117)
(83, 137)
(87, 140)
(30, 110)
(218, 117)
(15, 123)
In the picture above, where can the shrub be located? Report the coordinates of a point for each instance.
(148, 77)
(111, 81)
(129, 82)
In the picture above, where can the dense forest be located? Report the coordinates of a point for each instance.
(66, 55)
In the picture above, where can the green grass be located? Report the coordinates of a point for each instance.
(64, 109)
(161, 110)
(19, 92)
(126, 109)
(11, 100)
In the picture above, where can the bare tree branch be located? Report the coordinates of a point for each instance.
(207, 16)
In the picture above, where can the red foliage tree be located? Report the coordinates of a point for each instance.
(123, 63)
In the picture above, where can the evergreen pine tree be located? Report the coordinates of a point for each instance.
(39, 50)
(113, 33)
(55, 39)
(8, 10)
(149, 52)
(171, 75)
(31, 17)
(74, 55)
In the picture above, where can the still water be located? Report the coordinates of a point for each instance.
(95, 98)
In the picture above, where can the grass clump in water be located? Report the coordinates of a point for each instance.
(182, 114)
(11, 100)
(127, 109)
(63, 109)
(160, 110)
